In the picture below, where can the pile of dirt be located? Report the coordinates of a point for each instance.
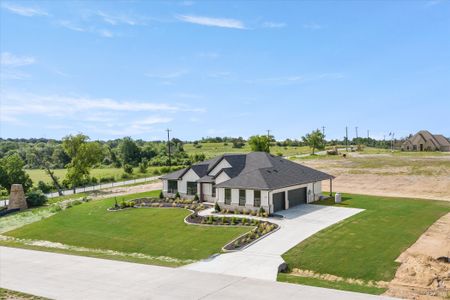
(422, 274)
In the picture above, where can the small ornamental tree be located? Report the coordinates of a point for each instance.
(217, 207)
(196, 198)
(161, 195)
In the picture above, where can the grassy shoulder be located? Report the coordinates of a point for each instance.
(337, 285)
(153, 232)
(6, 294)
(366, 245)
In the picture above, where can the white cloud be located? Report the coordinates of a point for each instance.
(294, 79)
(117, 19)
(11, 60)
(168, 77)
(24, 10)
(96, 115)
(105, 33)
(312, 26)
(70, 25)
(273, 25)
(208, 21)
(11, 65)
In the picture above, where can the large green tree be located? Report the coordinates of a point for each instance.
(315, 140)
(11, 171)
(129, 152)
(83, 155)
(259, 143)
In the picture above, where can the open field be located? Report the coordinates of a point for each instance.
(365, 246)
(215, 149)
(398, 174)
(154, 232)
(38, 174)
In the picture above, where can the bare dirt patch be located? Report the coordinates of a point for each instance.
(125, 190)
(426, 177)
(421, 274)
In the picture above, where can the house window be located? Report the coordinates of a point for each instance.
(227, 196)
(241, 197)
(257, 199)
(213, 192)
(191, 188)
(172, 186)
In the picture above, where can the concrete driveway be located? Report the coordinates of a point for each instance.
(262, 259)
(60, 276)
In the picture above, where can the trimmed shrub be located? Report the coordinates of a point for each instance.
(161, 195)
(216, 207)
(44, 187)
(177, 195)
(35, 198)
(196, 198)
(128, 169)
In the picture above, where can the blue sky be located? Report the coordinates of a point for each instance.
(131, 68)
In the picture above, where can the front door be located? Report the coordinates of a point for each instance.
(421, 147)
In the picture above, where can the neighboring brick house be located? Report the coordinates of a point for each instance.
(251, 181)
(425, 141)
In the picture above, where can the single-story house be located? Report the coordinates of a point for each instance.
(250, 181)
(425, 141)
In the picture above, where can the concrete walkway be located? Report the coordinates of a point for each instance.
(60, 276)
(262, 259)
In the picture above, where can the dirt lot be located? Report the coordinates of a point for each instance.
(426, 177)
(421, 274)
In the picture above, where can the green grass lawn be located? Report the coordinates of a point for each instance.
(366, 245)
(150, 231)
(38, 174)
(215, 149)
(337, 285)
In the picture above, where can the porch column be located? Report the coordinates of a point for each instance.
(331, 187)
(201, 192)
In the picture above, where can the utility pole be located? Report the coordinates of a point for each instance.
(323, 130)
(368, 136)
(268, 139)
(356, 129)
(168, 145)
(346, 138)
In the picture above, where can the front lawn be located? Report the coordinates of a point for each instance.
(366, 245)
(150, 231)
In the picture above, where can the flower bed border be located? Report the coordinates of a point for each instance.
(195, 207)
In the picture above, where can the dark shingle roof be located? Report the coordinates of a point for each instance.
(255, 170)
(265, 171)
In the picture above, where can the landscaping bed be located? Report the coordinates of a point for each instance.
(155, 236)
(261, 228)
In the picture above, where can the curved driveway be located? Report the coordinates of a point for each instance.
(262, 259)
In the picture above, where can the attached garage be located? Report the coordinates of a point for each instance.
(297, 197)
(279, 201)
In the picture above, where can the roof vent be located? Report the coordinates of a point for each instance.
(276, 171)
(268, 171)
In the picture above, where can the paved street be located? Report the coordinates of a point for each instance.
(60, 276)
(261, 260)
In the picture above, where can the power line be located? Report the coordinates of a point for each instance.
(168, 144)
(346, 138)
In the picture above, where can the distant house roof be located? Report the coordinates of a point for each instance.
(255, 170)
(442, 140)
(438, 140)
